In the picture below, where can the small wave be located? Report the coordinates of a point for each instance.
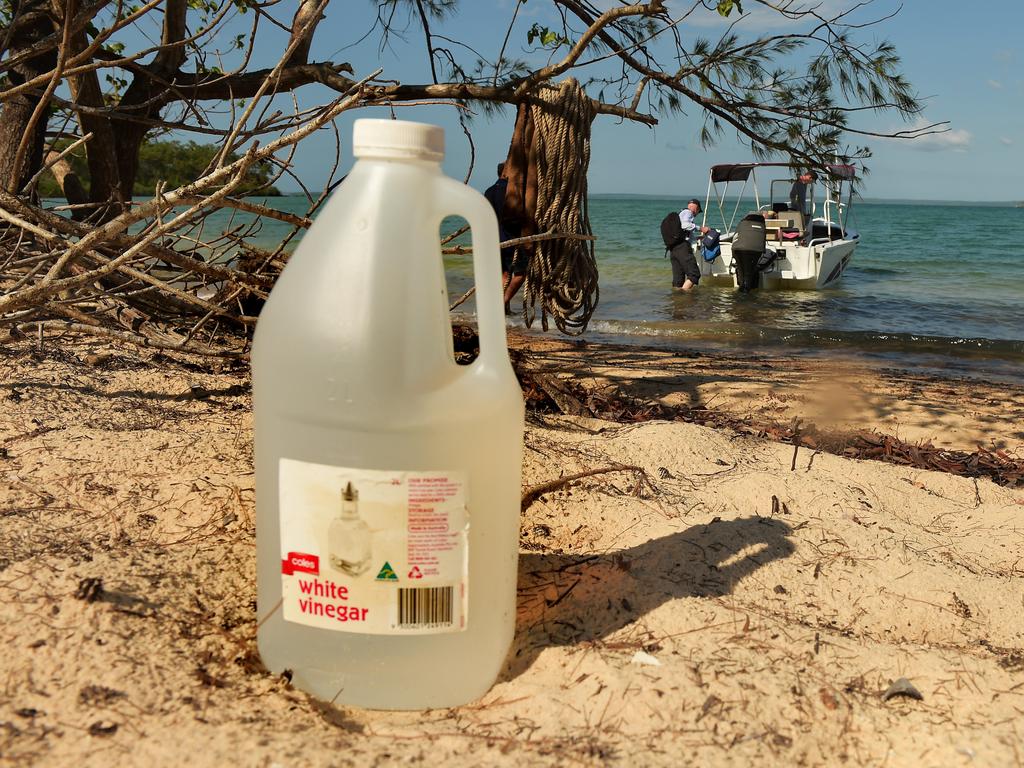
(875, 270)
(794, 340)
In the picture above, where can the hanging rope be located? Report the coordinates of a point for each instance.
(550, 154)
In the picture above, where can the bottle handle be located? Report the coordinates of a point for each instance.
(455, 198)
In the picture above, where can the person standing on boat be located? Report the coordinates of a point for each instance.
(798, 192)
(685, 272)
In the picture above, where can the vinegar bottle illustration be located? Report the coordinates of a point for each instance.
(348, 537)
(355, 381)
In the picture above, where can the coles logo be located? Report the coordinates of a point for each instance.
(301, 562)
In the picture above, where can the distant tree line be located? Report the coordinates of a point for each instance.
(173, 162)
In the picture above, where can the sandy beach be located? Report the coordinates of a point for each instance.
(703, 599)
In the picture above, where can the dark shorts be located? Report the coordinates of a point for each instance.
(684, 265)
(510, 262)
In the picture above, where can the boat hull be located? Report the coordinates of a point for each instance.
(804, 268)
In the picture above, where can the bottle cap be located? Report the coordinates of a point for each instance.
(349, 493)
(397, 139)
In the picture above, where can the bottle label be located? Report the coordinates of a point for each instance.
(379, 553)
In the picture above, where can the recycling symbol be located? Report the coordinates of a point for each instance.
(415, 573)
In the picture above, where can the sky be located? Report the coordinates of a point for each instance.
(965, 60)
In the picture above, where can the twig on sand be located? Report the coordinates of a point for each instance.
(530, 494)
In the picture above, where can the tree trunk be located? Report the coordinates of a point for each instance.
(101, 151)
(16, 113)
(521, 171)
(307, 16)
(149, 95)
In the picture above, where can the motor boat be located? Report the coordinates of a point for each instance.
(774, 246)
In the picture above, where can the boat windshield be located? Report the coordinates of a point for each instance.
(780, 193)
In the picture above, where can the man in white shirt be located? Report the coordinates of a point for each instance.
(685, 272)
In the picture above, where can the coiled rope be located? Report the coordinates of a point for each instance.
(562, 274)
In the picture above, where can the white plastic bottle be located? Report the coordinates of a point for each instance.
(356, 386)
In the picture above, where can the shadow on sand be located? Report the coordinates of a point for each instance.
(567, 599)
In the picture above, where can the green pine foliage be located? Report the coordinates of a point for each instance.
(173, 162)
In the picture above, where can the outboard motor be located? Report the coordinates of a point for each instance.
(747, 247)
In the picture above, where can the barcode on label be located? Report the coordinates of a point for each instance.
(425, 607)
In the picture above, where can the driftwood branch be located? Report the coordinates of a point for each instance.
(459, 250)
(531, 494)
(303, 222)
(161, 284)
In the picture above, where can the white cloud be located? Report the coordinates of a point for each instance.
(1007, 142)
(949, 140)
(995, 84)
(953, 140)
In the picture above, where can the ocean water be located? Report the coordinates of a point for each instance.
(929, 284)
(937, 286)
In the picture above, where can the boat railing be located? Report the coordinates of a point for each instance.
(837, 206)
(834, 212)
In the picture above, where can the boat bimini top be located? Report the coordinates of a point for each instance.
(833, 210)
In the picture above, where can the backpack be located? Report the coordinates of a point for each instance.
(672, 230)
(709, 245)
